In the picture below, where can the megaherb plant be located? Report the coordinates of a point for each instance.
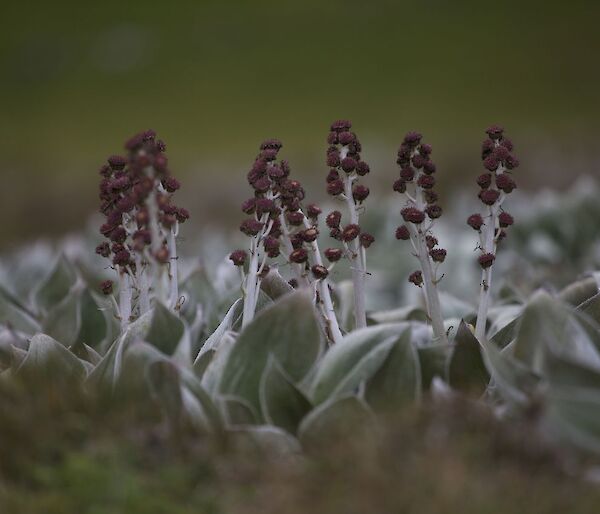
(269, 357)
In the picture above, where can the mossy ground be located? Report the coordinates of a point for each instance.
(62, 451)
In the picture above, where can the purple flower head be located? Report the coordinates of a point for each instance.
(505, 183)
(489, 196)
(366, 239)
(341, 125)
(400, 186)
(484, 180)
(362, 168)
(416, 278)
(350, 232)
(505, 219)
(413, 215)
(475, 221)
(495, 132)
(437, 254)
(299, 256)
(426, 181)
(310, 235)
(319, 271)
(430, 241)
(486, 260)
(335, 188)
(407, 173)
(251, 227)
(238, 257)
(412, 139)
(333, 219)
(171, 184)
(117, 162)
(348, 164)
(433, 210)
(313, 211)
(360, 193)
(295, 218)
(402, 233)
(107, 287)
(333, 254)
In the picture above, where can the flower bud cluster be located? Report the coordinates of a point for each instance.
(141, 219)
(279, 225)
(127, 183)
(416, 184)
(495, 184)
(346, 167)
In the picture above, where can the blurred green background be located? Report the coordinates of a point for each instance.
(216, 77)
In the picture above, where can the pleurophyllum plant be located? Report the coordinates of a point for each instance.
(491, 225)
(268, 377)
(279, 225)
(346, 169)
(421, 209)
(141, 227)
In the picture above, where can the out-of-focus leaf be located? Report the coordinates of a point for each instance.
(56, 286)
(198, 290)
(108, 371)
(398, 379)
(48, 358)
(13, 316)
(453, 307)
(353, 360)
(572, 415)
(165, 331)
(212, 375)
(333, 421)
(275, 286)
(93, 327)
(432, 362)
(225, 326)
(86, 353)
(408, 313)
(591, 307)
(289, 330)
(202, 362)
(238, 411)
(198, 405)
(282, 403)
(578, 292)
(542, 320)
(514, 381)
(466, 369)
(266, 439)
(63, 320)
(263, 303)
(164, 383)
(17, 357)
(503, 337)
(344, 293)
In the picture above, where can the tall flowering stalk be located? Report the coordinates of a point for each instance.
(279, 225)
(346, 168)
(495, 184)
(420, 211)
(141, 227)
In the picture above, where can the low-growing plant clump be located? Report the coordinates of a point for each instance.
(270, 351)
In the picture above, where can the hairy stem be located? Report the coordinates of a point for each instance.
(125, 297)
(356, 259)
(486, 274)
(432, 299)
(173, 268)
(333, 327)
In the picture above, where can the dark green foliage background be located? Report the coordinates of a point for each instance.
(214, 78)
